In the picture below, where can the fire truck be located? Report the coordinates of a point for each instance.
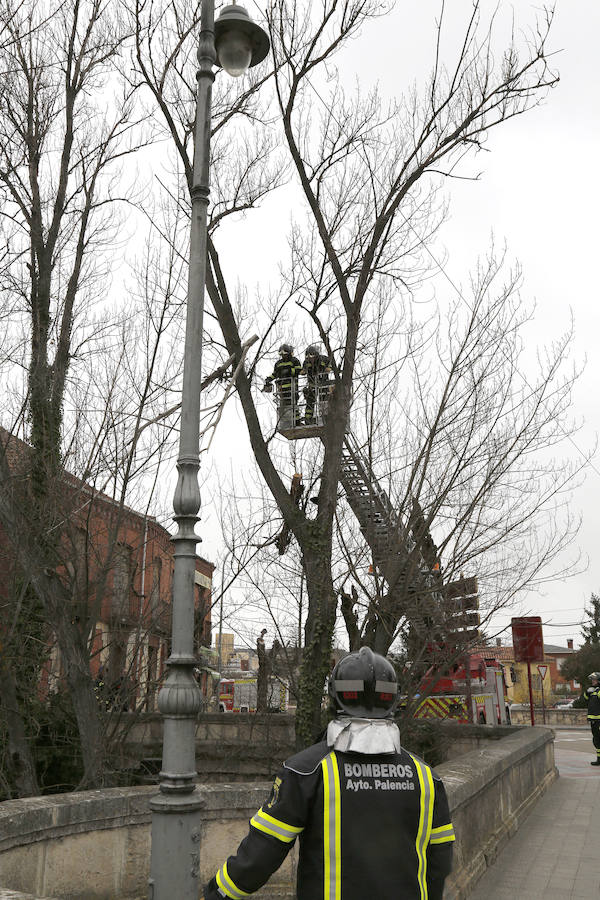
(239, 695)
(447, 696)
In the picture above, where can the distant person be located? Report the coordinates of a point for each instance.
(316, 367)
(372, 819)
(285, 375)
(592, 695)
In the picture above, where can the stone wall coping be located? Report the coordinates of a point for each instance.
(59, 815)
(220, 748)
(276, 718)
(471, 773)
(6, 894)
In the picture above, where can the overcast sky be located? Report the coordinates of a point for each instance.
(539, 193)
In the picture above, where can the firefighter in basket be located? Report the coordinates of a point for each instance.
(285, 375)
(372, 819)
(592, 695)
(316, 367)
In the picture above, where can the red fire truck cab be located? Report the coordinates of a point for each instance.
(447, 695)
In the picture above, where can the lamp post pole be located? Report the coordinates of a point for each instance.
(176, 810)
(175, 855)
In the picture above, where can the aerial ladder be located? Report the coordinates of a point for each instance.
(396, 556)
(412, 579)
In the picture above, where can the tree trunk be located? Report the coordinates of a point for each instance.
(21, 766)
(85, 703)
(316, 661)
(351, 620)
(262, 677)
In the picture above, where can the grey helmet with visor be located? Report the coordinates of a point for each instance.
(364, 685)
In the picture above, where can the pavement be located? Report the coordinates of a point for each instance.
(555, 854)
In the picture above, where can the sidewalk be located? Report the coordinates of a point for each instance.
(555, 855)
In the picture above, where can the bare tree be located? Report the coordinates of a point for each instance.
(362, 172)
(465, 444)
(65, 130)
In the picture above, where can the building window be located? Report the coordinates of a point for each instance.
(151, 678)
(155, 592)
(121, 582)
(80, 548)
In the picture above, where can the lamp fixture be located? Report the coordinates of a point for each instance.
(240, 43)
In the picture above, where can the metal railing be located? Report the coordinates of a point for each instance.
(301, 402)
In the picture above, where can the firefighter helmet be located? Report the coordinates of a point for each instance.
(594, 676)
(286, 348)
(312, 350)
(364, 685)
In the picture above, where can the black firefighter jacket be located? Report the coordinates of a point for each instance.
(285, 373)
(369, 827)
(592, 695)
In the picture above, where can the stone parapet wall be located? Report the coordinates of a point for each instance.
(229, 746)
(520, 715)
(242, 727)
(95, 845)
(241, 747)
(491, 790)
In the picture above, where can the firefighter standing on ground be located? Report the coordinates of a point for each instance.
(592, 695)
(371, 818)
(285, 375)
(316, 367)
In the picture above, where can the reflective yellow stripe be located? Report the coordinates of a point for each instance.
(275, 827)
(332, 830)
(425, 820)
(442, 834)
(229, 888)
(338, 831)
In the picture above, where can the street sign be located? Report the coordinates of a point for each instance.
(528, 639)
(528, 646)
(542, 670)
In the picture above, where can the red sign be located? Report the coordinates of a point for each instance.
(542, 670)
(528, 640)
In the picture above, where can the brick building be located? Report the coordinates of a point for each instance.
(555, 656)
(118, 567)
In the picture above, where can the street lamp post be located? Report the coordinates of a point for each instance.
(235, 43)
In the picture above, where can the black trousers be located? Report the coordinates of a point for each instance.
(595, 726)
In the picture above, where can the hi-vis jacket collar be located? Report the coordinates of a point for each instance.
(368, 736)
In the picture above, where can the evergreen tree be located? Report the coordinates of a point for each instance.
(578, 666)
(591, 630)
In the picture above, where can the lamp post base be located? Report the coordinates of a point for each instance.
(176, 830)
